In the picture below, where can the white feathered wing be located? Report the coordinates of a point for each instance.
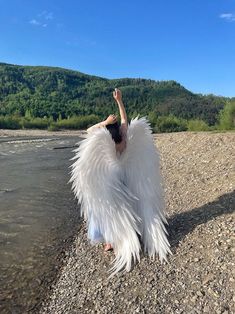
(97, 181)
(123, 194)
(141, 165)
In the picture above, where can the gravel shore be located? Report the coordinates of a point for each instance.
(199, 276)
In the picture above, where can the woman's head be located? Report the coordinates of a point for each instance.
(114, 130)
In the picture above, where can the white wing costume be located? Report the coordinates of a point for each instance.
(122, 194)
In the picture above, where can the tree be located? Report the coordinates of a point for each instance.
(227, 117)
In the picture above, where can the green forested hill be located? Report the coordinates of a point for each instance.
(50, 91)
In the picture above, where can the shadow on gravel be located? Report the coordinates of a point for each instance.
(183, 223)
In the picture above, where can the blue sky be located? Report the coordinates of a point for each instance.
(190, 41)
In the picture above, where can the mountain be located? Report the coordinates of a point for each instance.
(50, 91)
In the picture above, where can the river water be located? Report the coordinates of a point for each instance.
(38, 213)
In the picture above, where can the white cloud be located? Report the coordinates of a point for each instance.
(37, 23)
(34, 22)
(228, 17)
(42, 19)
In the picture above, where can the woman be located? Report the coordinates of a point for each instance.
(116, 179)
(119, 137)
(118, 133)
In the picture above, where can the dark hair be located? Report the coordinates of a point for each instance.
(115, 132)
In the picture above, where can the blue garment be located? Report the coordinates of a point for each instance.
(94, 233)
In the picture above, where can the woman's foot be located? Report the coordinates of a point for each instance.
(108, 247)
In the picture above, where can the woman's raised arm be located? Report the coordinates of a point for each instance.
(110, 120)
(117, 95)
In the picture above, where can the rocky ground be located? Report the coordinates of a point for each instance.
(199, 277)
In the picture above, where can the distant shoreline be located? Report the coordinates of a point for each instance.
(38, 132)
(80, 133)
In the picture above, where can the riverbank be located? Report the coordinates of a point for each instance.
(199, 278)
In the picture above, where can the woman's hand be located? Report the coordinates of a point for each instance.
(117, 95)
(111, 119)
